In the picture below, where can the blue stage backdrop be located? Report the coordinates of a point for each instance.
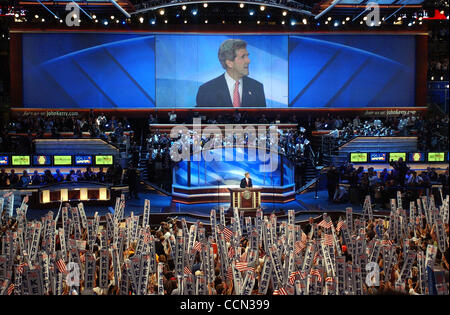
(222, 172)
(88, 70)
(103, 70)
(351, 71)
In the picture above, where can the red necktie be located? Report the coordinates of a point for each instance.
(236, 96)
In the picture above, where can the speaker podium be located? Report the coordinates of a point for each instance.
(246, 199)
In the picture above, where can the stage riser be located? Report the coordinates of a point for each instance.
(212, 199)
(227, 191)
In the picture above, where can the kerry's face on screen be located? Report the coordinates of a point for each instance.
(239, 66)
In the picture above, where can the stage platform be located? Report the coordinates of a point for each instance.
(161, 207)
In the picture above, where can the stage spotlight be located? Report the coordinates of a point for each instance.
(372, 24)
(262, 8)
(165, 21)
(105, 23)
(347, 18)
(183, 7)
(96, 21)
(432, 78)
(185, 21)
(152, 21)
(251, 12)
(36, 16)
(336, 23)
(112, 17)
(60, 21)
(223, 21)
(284, 13)
(239, 21)
(123, 22)
(205, 5)
(318, 23)
(361, 22)
(258, 22)
(409, 24)
(365, 18)
(206, 21)
(161, 12)
(326, 22)
(43, 20)
(329, 18)
(75, 16)
(94, 16)
(268, 16)
(305, 21)
(141, 19)
(241, 5)
(343, 22)
(16, 15)
(194, 12)
(442, 78)
(293, 22)
(79, 21)
(282, 22)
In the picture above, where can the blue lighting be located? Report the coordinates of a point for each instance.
(268, 16)
(194, 12)
(153, 21)
(178, 15)
(251, 12)
(293, 22)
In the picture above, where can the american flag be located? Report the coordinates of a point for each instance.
(229, 273)
(61, 265)
(243, 266)
(20, 268)
(339, 225)
(325, 224)
(293, 276)
(298, 247)
(187, 271)
(316, 256)
(231, 252)
(227, 233)
(10, 289)
(198, 246)
(316, 273)
(280, 291)
(328, 239)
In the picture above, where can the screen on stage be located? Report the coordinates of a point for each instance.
(106, 70)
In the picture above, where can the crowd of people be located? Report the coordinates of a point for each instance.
(431, 133)
(348, 184)
(261, 257)
(29, 127)
(113, 174)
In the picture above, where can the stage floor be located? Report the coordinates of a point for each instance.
(305, 206)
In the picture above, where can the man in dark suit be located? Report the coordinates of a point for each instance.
(246, 182)
(233, 88)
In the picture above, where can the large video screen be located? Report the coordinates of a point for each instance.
(105, 70)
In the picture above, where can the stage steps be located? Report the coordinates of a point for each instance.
(74, 146)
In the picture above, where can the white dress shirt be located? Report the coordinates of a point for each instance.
(230, 83)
